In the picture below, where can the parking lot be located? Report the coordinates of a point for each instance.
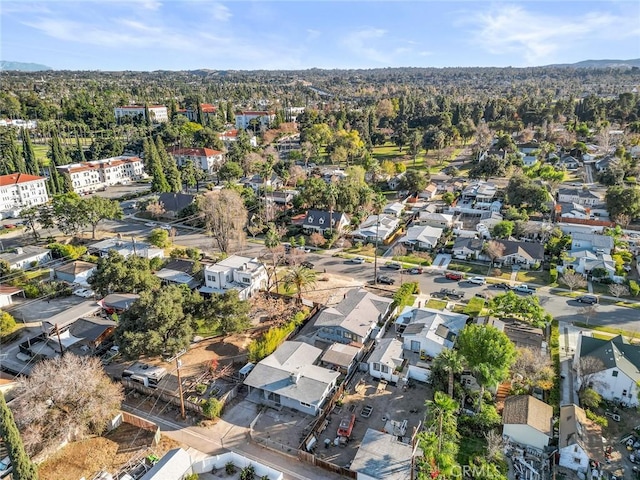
(390, 407)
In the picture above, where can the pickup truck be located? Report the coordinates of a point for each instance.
(524, 289)
(449, 292)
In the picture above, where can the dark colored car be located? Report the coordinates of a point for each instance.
(453, 276)
(502, 286)
(307, 264)
(393, 266)
(386, 280)
(485, 296)
(588, 299)
(449, 292)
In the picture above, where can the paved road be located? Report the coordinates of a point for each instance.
(562, 308)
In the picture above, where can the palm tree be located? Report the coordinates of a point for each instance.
(441, 417)
(302, 278)
(449, 361)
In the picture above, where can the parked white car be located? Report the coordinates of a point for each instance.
(166, 226)
(358, 260)
(84, 292)
(150, 224)
(477, 280)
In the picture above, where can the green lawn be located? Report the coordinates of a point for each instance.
(471, 268)
(530, 276)
(204, 330)
(436, 304)
(609, 330)
(413, 259)
(471, 447)
(388, 151)
(41, 154)
(474, 307)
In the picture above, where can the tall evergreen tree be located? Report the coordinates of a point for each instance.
(57, 152)
(79, 151)
(23, 468)
(30, 162)
(169, 167)
(230, 116)
(153, 165)
(55, 182)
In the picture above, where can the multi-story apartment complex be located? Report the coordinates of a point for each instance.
(19, 191)
(243, 118)
(99, 174)
(205, 158)
(158, 113)
(208, 110)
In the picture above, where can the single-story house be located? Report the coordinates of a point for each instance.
(614, 367)
(579, 195)
(382, 457)
(580, 439)
(524, 254)
(380, 227)
(593, 241)
(321, 221)
(6, 294)
(354, 319)
(606, 162)
(257, 182)
(92, 331)
(174, 465)
(25, 257)
(568, 162)
(341, 357)
(178, 272)
(464, 247)
(289, 377)
(429, 192)
(394, 182)
(585, 261)
(386, 361)
(395, 209)
(74, 272)
(118, 302)
(421, 237)
(520, 333)
(428, 331)
(125, 248)
(527, 421)
(435, 219)
(174, 203)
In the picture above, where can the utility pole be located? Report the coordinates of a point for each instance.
(375, 252)
(178, 364)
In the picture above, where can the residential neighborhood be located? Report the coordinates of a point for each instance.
(370, 274)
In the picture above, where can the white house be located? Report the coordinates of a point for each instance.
(229, 137)
(99, 174)
(580, 439)
(394, 209)
(125, 248)
(382, 457)
(381, 227)
(434, 219)
(262, 118)
(385, 362)
(524, 254)
(289, 377)
(465, 247)
(245, 274)
(612, 368)
(581, 196)
(527, 421)
(19, 191)
(207, 159)
(257, 182)
(421, 237)
(6, 294)
(585, 261)
(429, 192)
(428, 331)
(24, 257)
(158, 113)
(354, 318)
(74, 272)
(592, 241)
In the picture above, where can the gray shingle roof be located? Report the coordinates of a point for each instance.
(322, 219)
(613, 353)
(531, 250)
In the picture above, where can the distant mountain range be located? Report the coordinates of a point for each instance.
(635, 62)
(601, 64)
(22, 67)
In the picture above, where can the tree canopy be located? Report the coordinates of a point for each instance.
(526, 308)
(117, 274)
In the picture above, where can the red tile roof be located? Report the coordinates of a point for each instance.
(15, 178)
(208, 108)
(253, 112)
(194, 152)
(137, 107)
(229, 133)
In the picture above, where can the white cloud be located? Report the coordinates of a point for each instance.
(360, 42)
(312, 33)
(152, 5)
(220, 12)
(538, 36)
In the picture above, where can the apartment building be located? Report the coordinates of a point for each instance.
(158, 113)
(99, 174)
(243, 118)
(19, 191)
(206, 159)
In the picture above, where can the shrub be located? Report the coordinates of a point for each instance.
(178, 252)
(602, 421)
(212, 408)
(553, 276)
(230, 468)
(61, 250)
(268, 343)
(159, 238)
(31, 291)
(404, 295)
(634, 288)
(7, 324)
(201, 388)
(248, 472)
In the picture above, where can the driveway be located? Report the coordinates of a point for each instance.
(442, 261)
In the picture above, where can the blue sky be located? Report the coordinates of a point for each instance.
(191, 34)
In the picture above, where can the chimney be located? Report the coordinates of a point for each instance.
(295, 376)
(19, 250)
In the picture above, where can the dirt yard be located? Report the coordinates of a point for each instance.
(88, 457)
(330, 288)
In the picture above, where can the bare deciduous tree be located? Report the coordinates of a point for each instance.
(618, 290)
(296, 174)
(495, 445)
(65, 398)
(493, 250)
(587, 369)
(589, 311)
(156, 209)
(535, 368)
(317, 239)
(225, 216)
(573, 280)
